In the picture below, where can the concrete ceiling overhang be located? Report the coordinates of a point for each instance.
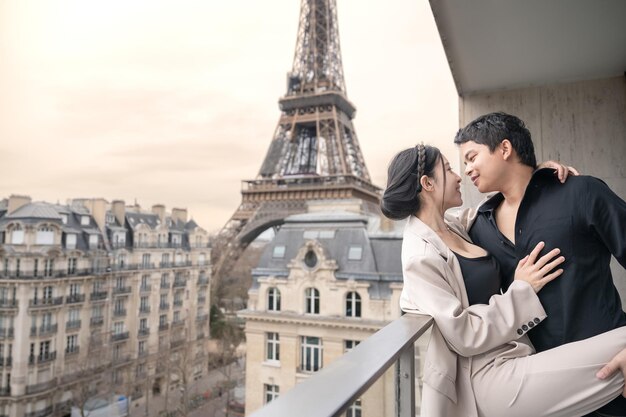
(504, 44)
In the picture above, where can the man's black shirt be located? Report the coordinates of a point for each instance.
(587, 222)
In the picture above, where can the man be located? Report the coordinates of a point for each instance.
(582, 217)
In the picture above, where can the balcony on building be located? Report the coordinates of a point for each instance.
(116, 337)
(143, 332)
(163, 326)
(75, 298)
(145, 288)
(203, 280)
(72, 350)
(144, 309)
(165, 285)
(44, 330)
(201, 318)
(178, 323)
(179, 283)
(42, 358)
(119, 312)
(6, 303)
(96, 321)
(178, 303)
(99, 295)
(5, 391)
(122, 290)
(72, 324)
(164, 306)
(45, 302)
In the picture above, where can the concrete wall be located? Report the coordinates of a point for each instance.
(582, 124)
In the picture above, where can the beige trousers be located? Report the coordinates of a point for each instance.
(559, 382)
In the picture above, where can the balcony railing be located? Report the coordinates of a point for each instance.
(42, 386)
(42, 358)
(178, 323)
(178, 283)
(75, 298)
(45, 302)
(165, 285)
(116, 337)
(48, 329)
(5, 392)
(163, 326)
(340, 383)
(98, 295)
(143, 332)
(73, 324)
(164, 306)
(122, 290)
(203, 280)
(96, 321)
(6, 303)
(178, 303)
(145, 288)
(71, 350)
(119, 312)
(144, 309)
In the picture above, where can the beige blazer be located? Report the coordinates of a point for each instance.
(464, 338)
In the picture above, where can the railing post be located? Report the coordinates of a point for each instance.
(405, 383)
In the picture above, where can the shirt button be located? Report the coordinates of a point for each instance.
(524, 327)
(536, 320)
(520, 332)
(519, 231)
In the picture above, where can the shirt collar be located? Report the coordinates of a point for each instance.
(492, 201)
(427, 234)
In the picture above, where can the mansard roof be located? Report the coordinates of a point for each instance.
(37, 210)
(337, 232)
(136, 219)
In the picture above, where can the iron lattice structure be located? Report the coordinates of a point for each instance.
(315, 153)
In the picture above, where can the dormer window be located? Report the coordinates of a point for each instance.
(93, 241)
(70, 241)
(64, 218)
(279, 252)
(84, 220)
(355, 253)
(45, 236)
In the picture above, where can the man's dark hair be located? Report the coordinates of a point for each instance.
(491, 129)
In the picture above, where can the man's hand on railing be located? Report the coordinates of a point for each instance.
(618, 363)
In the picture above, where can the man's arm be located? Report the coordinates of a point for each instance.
(605, 212)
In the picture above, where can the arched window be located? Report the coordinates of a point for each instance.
(353, 304)
(312, 300)
(273, 299)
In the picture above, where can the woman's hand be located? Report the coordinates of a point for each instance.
(618, 363)
(562, 171)
(538, 272)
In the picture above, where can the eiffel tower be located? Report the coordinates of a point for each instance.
(315, 153)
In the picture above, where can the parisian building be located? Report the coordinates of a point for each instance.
(329, 279)
(96, 288)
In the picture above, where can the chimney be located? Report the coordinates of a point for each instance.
(17, 201)
(179, 214)
(98, 208)
(159, 210)
(118, 208)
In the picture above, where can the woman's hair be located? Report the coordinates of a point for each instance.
(401, 197)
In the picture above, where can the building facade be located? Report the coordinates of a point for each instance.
(92, 288)
(328, 280)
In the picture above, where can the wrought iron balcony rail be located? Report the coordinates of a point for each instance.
(75, 298)
(45, 302)
(116, 337)
(42, 358)
(342, 382)
(144, 309)
(163, 326)
(72, 324)
(203, 280)
(122, 290)
(72, 350)
(145, 288)
(96, 321)
(178, 283)
(144, 332)
(7, 303)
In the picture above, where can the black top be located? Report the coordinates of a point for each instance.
(587, 221)
(481, 276)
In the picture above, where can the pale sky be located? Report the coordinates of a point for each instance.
(176, 102)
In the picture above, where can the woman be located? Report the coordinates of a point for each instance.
(480, 361)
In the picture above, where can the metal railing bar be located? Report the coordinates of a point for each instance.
(335, 387)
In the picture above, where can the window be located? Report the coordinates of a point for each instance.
(178, 258)
(311, 354)
(142, 347)
(144, 281)
(273, 299)
(271, 392)
(45, 236)
(279, 252)
(47, 293)
(310, 259)
(145, 260)
(71, 266)
(312, 300)
(48, 267)
(74, 289)
(118, 327)
(355, 253)
(93, 241)
(96, 311)
(17, 235)
(355, 409)
(70, 241)
(201, 259)
(72, 344)
(84, 220)
(162, 320)
(272, 347)
(144, 304)
(17, 267)
(176, 317)
(46, 320)
(353, 304)
(120, 282)
(64, 218)
(44, 349)
(74, 315)
(36, 267)
(165, 259)
(350, 344)
(119, 305)
(143, 324)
